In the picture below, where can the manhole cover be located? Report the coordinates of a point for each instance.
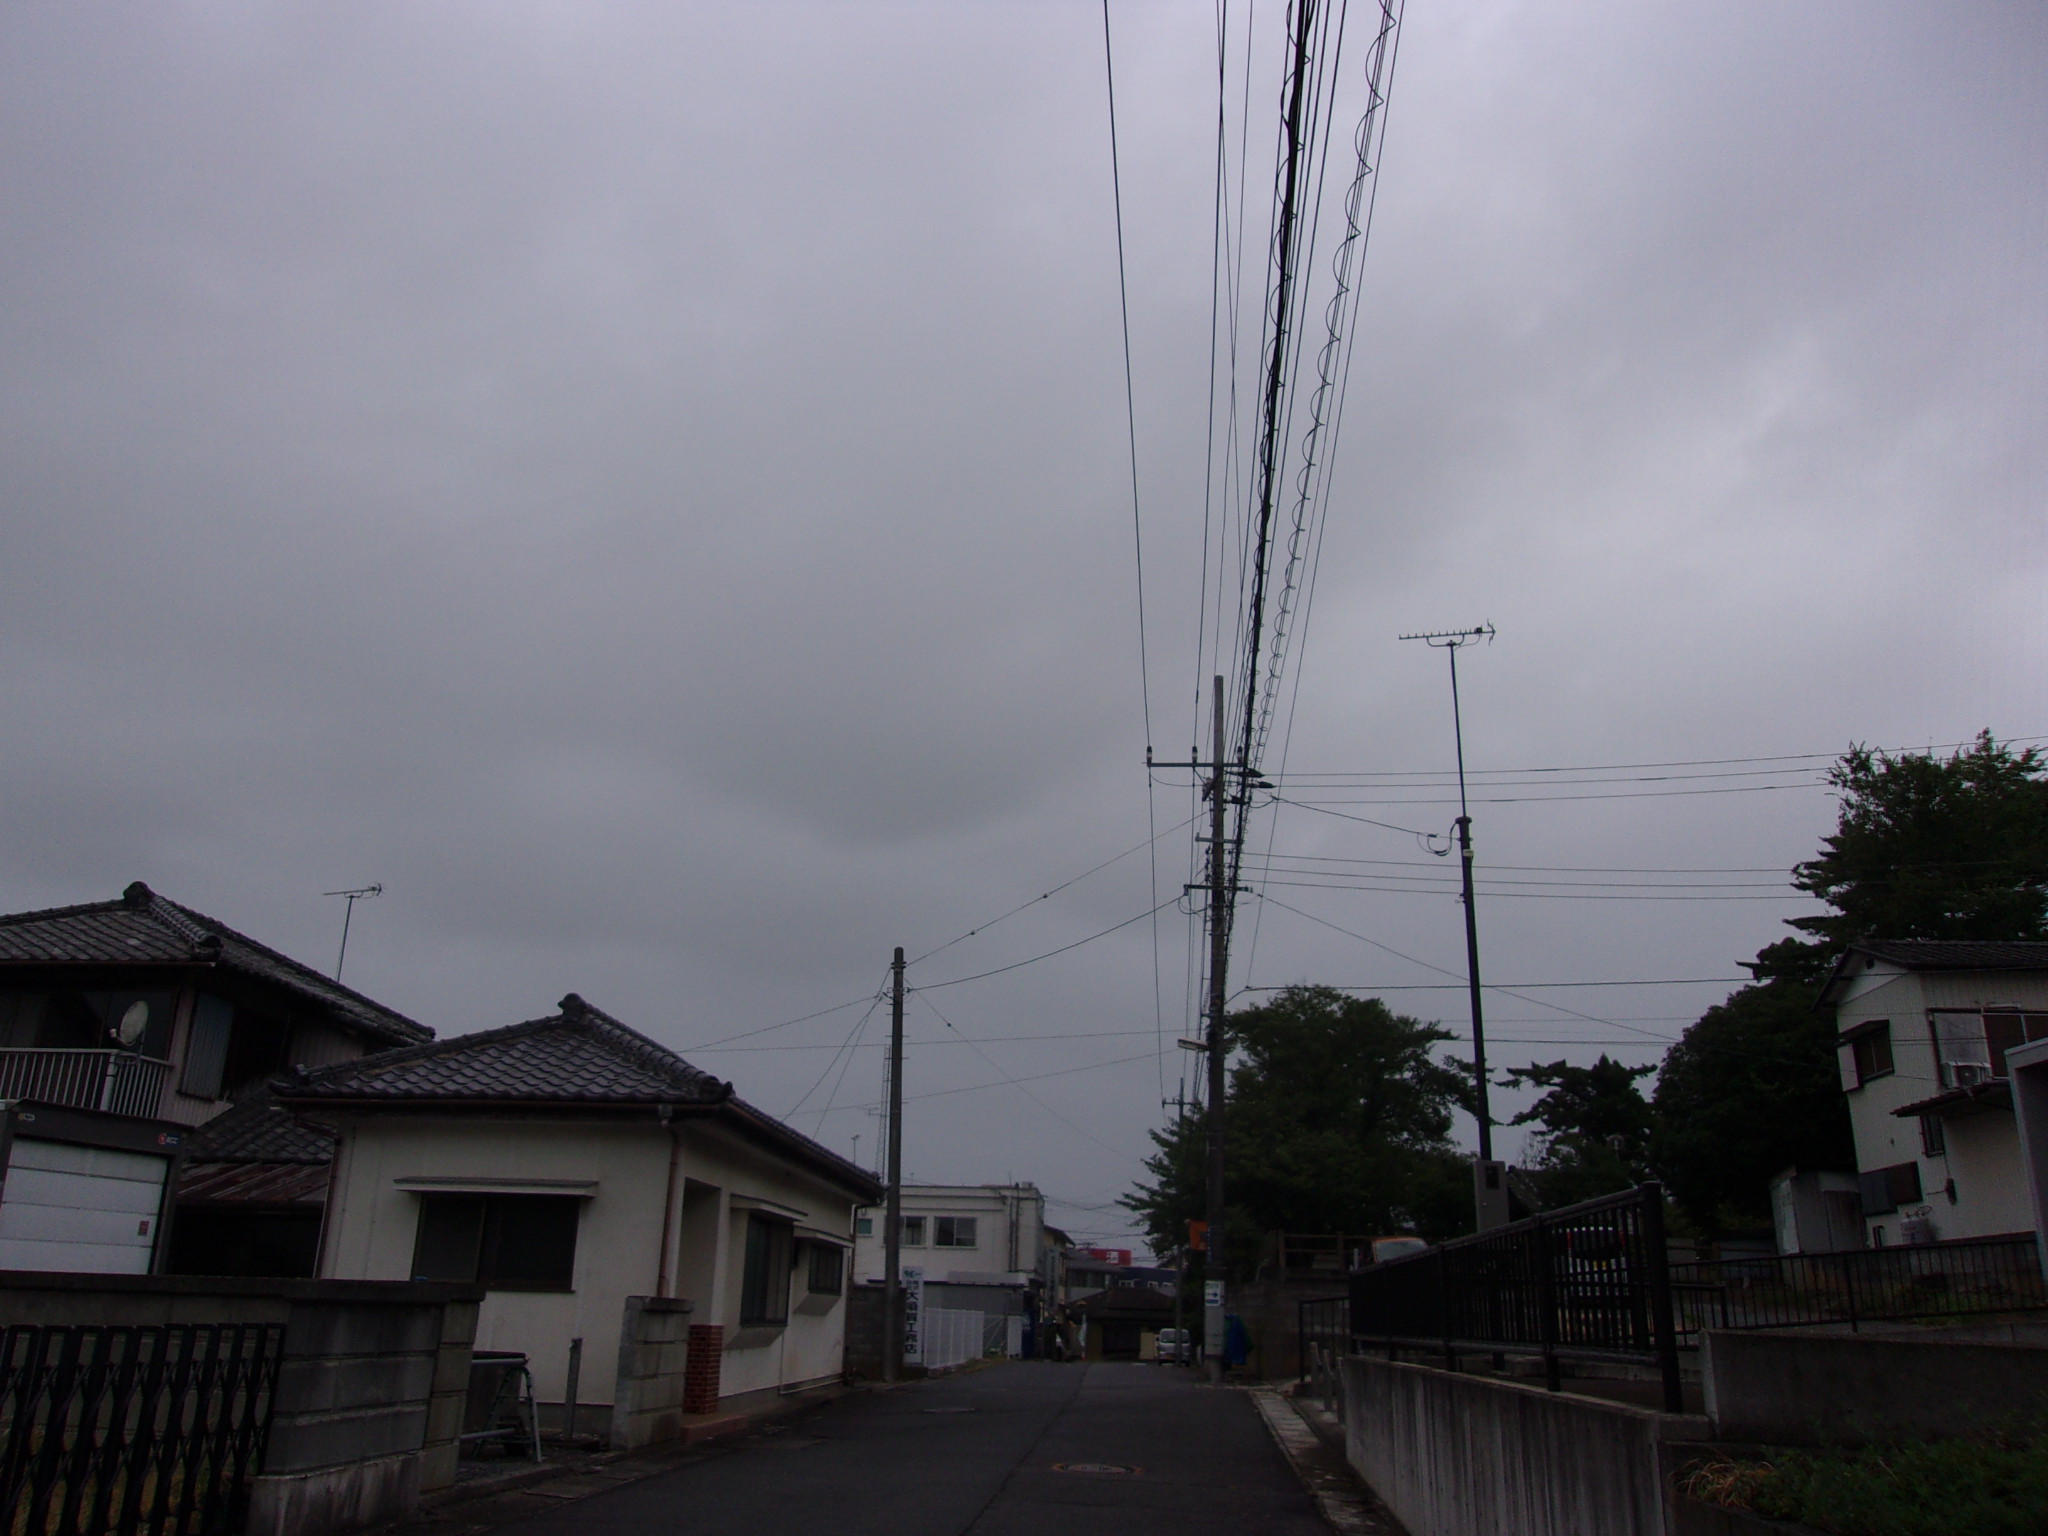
(1095, 1468)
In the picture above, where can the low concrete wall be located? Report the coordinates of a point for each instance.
(1844, 1389)
(370, 1383)
(654, 1361)
(1455, 1455)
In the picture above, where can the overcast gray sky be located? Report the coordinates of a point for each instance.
(646, 482)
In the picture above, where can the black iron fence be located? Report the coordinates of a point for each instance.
(132, 1431)
(1590, 1281)
(1963, 1278)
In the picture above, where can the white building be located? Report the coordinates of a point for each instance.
(982, 1247)
(569, 1163)
(1923, 1027)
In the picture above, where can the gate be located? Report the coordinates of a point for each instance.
(133, 1431)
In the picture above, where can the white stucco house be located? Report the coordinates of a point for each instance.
(1923, 1030)
(981, 1248)
(568, 1164)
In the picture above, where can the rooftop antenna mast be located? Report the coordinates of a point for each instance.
(361, 893)
(1451, 641)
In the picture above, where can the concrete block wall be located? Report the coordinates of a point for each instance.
(1455, 1455)
(370, 1382)
(655, 1354)
(1841, 1389)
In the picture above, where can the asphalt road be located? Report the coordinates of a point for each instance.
(1014, 1450)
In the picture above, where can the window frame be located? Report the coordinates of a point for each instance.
(1896, 1185)
(1871, 1055)
(825, 1257)
(913, 1233)
(1933, 1136)
(487, 1213)
(946, 1231)
(770, 1256)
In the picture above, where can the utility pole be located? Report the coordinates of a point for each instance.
(354, 896)
(1219, 960)
(892, 1237)
(1221, 890)
(1452, 641)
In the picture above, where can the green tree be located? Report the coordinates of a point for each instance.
(1339, 1121)
(1923, 848)
(1595, 1135)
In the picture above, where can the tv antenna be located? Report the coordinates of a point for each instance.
(1451, 641)
(361, 893)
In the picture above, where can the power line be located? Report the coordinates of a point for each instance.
(1016, 964)
(1703, 762)
(748, 1034)
(1037, 1077)
(1130, 393)
(1095, 869)
(1519, 986)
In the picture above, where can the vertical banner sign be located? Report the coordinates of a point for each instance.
(1212, 1319)
(913, 1314)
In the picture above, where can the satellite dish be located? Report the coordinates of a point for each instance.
(133, 1023)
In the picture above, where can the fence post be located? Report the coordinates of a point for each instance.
(1662, 1323)
(1546, 1306)
(1849, 1288)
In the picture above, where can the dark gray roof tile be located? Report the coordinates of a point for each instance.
(579, 1055)
(1959, 954)
(143, 928)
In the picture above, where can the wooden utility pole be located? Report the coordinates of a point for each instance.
(1219, 961)
(892, 1236)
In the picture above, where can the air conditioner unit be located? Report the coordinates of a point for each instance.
(1969, 1074)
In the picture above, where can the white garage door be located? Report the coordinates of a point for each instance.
(86, 1209)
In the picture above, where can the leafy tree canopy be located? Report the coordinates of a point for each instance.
(1339, 1121)
(1595, 1123)
(1923, 848)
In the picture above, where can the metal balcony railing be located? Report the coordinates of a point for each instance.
(119, 1082)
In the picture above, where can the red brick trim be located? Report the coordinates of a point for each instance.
(700, 1374)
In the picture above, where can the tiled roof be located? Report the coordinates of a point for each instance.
(260, 1130)
(143, 928)
(580, 1056)
(1959, 954)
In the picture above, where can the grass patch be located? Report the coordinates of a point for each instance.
(1990, 1485)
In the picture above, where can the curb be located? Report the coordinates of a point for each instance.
(1346, 1505)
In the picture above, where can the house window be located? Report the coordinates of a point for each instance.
(953, 1232)
(913, 1231)
(502, 1242)
(1886, 1189)
(828, 1270)
(1933, 1136)
(764, 1285)
(863, 1226)
(1970, 1046)
(206, 1047)
(1871, 1051)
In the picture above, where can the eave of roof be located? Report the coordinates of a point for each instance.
(1938, 955)
(1959, 1102)
(145, 929)
(579, 1063)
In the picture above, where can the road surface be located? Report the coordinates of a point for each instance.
(1019, 1449)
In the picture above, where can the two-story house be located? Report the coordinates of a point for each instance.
(127, 1025)
(980, 1247)
(1923, 1027)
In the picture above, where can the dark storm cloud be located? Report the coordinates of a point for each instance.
(646, 483)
